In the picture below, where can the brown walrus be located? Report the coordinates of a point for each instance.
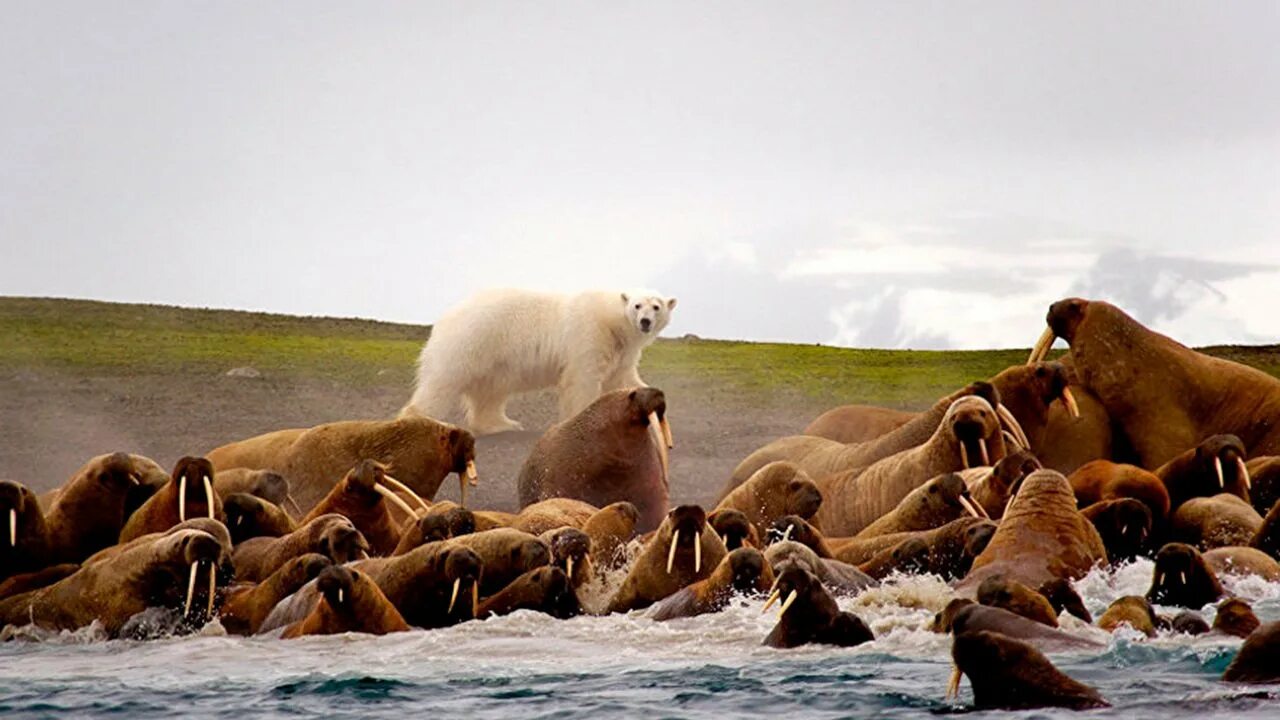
(1132, 610)
(1001, 592)
(777, 489)
(157, 570)
(1042, 537)
(857, 423)
(348, 602)
(1235, 617)
(968, 435)
(249, 516)
(1234, 560)
(809, 614)
(553, 513)
(838, 577)
(933, 504)
(610, 530)
(1267, 539)
(963, 616)
(1264, 481)
(546, 590)
(1103, 480)
(615, 449)
(26, 582)
(1182, 578)
(188, 494)
(23, 547)
(952, 547)
(734, 529)
(1064, 598)
(993, 487)
(266, 484)
(1124, 526)
(909, 557)
(330, 535)
(680, 553)
(1216, 465)
(1165, 396)
(743, 571)
(360, 497)
(89, 510)
(1218, 521)
(506, 554)
(1259, 658)
(433, 586)
(416, 451)
(1008, 674)
(434, 527)
(571, 552)
(247, 604)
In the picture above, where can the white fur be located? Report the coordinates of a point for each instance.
(501, 342)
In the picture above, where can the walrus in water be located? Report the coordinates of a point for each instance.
(1235, 617)
(734, 529)
(1165, 396)
(330, 535)
(426, 583)
(434, 527)
(506, 554)
(349, 602)
(1259, 658)
(992, 488)
(794, 527)
(1242, 561)
(777, 489)
(1218, 521)
(1212, 467)
(1008, 674)
(23, 547)
(546, 590)
(615, 449)
(610, 530)
(1103, 480)
(1267, 539)
(1182, 578)
(1124, 526)
(743, 571)
(174, 569)
(1064, 598)
(1042, 537)
(680, 553)
(909, 557)
(417, 452)
(952, 547)
(249, 516)
(1188, 623)
(360, 497)
(838, 577)
(89, 511)
(1264, 482)
(963, 616)
(247, 604)
(188, 494)
(809, 614)
(571, 552)
(969, 435)
(933, 504)
(1132, 610)
(1011, 595)
(553, 513)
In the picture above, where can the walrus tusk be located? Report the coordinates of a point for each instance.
(666, 432)
(475, 598)
(454, 597)
(406, 490)
(982, 445)
(655, 431)
(341, 594)
(786, 535)
(1159, 579)
(972, 507)
(208, 495)
(1217, 467)
(786, 605)
(1011, 441)
(964, 456)
(213, 586)
(191, 589)
(1182, 578)
(13, 527)
(953, 683)
(671, 554)
(1015, 427)
(472, 476)
(182, 499)
(1069, 400)
(773, 598)
(134, 479)
(697, 552)
(568, 567)
(1240, 466)
(395, 500)
(1042, 346)
(297, 509)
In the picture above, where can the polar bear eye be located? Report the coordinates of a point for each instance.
(655, 307)
(637, 306)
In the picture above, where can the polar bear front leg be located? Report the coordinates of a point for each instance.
(581, 383)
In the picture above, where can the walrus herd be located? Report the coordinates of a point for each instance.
(1010, 489)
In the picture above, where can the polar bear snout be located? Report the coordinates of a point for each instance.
(645, 323)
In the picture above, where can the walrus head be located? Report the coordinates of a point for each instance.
(1062, 321)
(18, 509)
(187, 558)
(948, 496)
(748, 567)
(462, 569)
(687, 524)
(1064, 598)
(943, 619)
(647, 407)
(976, 431)
(1220, 467)
(337, 586)
(733, 527)
(571, 552)
(1189, 623)
(1235, 617)
(1182, 578)
(368, 483)
(193, 477)
(793, 582)
(435, 527)
(1124, 525)
(803, 497)
(343, 543)
(116, 473)
(250, 516)
(1010, 674)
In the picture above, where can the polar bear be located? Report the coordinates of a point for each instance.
(501, 342)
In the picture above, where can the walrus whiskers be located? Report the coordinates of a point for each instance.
(1069, 400)
(406, 490)
(208, 495)
(1041, 348)
(13, 527)
(1241, 469)
(953, 682)
(786, 605)
(1217, 467)
(395, 500)
(671, 554)
(182, 499)
(191, 589)
(454, 597)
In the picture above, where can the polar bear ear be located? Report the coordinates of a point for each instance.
(671, 304)
(625, 299)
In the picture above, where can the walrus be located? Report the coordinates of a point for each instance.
(1015, 597)
(1235, 617)
(1008, 674)
(1041, 537)
(571, 552)
(266, 484)
(1064, 598)
(734, 529)
(820, 457)
(23, 547)
(173, 569)
(809, 614)
(1182, 578)
(330, 535)
(553, 513)
(546, 590)
(1234, 560)
(364, 497)
(426, 583)
(1267, 539)
(1218, 521)
(349, 602)
(952, 547)
(962, 616)
(615, 449)
(777, 489)
(416, 451)
(247, 604)
(743, 571)
(838, 577)
(434, 527)
(1102, 480)
(1189, 623)
(680, 553)
(26, 582)
(610, 530)
(857, 423)
(506, 554)
(1215, 465)
(89, 511)
(794, 527)
(1259, 658)
(188, 494)
(1132, 610)
(1264, 482)
(968, 435)
(1165, 396)
(1124, 526)
(1073, 437)
(933, 504)
(993, 487)
(249, 516)
(909, 557)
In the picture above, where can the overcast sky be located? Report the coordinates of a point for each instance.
(892, 174)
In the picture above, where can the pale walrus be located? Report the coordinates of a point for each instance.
(839, 577)
(1132, 610)
(777, 489)
(1008, 674)
(553, 513)
(1165, 396)
(743, 571)
(349, 602)
(615, 449)
(680, 553)
(23, 546)
(969, 435)
(188, 494)
(1233, 560)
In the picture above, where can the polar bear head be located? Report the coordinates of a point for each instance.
(648, 313)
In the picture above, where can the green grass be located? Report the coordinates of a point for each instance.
(87, 337)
